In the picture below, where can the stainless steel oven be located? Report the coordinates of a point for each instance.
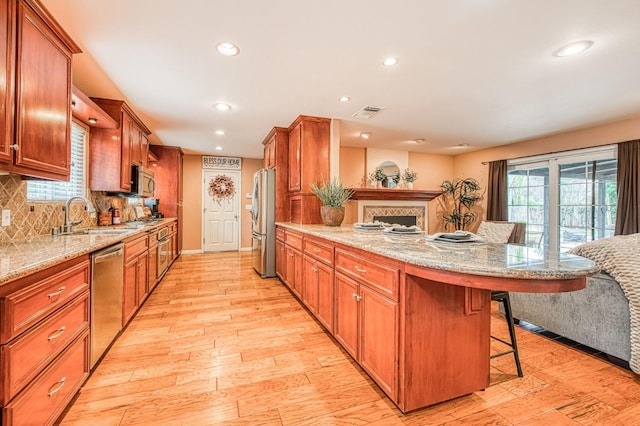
(164, 251)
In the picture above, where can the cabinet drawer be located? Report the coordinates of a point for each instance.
(280, 234)
(135, 247)
(43, 401)
(29, 354)
(318, 250)
(379, 277)
(26, 307)
(294, 240)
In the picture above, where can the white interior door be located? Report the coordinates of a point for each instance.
(221, 217)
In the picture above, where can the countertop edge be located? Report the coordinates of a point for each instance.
(93, 242)
(494, 271)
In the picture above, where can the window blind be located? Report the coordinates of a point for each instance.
(54, 190)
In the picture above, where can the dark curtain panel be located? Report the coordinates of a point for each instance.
(627, 218)
(497, 191)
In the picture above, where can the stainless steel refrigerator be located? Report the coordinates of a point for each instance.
(264, 226)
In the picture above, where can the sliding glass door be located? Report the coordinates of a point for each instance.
(565, 199)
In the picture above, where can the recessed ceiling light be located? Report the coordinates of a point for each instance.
(573, 48)
(365, 135)
(419, 141)
(390, 62)
(218, 148)
(220, 132)
(92, 120)
(344, 99)
(227, 49)
(222, 107)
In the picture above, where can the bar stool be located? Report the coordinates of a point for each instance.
(503, 297)
(503, 233)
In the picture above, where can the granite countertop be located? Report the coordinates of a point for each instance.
(24, 257)
(497, 260)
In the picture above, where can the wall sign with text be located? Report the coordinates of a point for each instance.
(226, 163)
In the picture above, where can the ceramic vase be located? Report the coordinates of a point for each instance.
(332, 216)
(409, 185)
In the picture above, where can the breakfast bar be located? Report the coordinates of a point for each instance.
(414, 314)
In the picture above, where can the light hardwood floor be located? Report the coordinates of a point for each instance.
(215, 344)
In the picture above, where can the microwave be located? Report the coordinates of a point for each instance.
(142, 182)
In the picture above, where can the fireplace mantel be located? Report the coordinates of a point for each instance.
(394, 194)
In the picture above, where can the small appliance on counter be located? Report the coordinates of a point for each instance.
(152, 203)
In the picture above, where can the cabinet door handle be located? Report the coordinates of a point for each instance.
(290, 254)
(314, 269)
(316, 250)
(357, 297)
(58, 386)
(359, 269)
(56, 333)
(57, 293)
(14, 146)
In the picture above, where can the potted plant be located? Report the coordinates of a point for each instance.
(333, 195)
(378, 176)
(457, 200)
(409, 176)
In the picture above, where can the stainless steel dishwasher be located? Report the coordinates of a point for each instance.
(107, 270)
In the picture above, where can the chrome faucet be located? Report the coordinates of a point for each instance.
(68, 224)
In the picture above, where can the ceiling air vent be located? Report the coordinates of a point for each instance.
(367, 112)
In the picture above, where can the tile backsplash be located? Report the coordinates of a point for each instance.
(33, 218)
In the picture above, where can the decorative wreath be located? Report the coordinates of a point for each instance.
(221, 187)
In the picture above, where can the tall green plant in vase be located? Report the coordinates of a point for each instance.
(457, 201)
(333, 195)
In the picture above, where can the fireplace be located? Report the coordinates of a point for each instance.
(397, 220)
(407, 213)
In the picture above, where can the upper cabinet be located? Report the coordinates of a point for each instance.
(309, 147)
(276, 148)
(113, 151)
(308, 152)
(36, 89)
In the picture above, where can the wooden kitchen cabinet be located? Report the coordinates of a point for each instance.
(293, 243)
(367, 327)
(168, 169)
(317, 291)
(112, 151)
(44, 331)
(281, 255)
(37, 145)
(7, 71)
(139, 146)
(136, 263)
(42, 402)
(294, 271)
(295, 147)
(269, 161)
(276, 149)
(309, 148)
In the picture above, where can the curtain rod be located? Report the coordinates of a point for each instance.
(606, 146)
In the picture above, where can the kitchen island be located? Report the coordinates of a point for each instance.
(414, 314)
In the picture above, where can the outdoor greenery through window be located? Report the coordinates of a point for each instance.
(565, 199)
(57, 190)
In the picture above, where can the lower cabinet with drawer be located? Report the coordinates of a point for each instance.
(136, 289)
(44, 357)
(366, 322)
